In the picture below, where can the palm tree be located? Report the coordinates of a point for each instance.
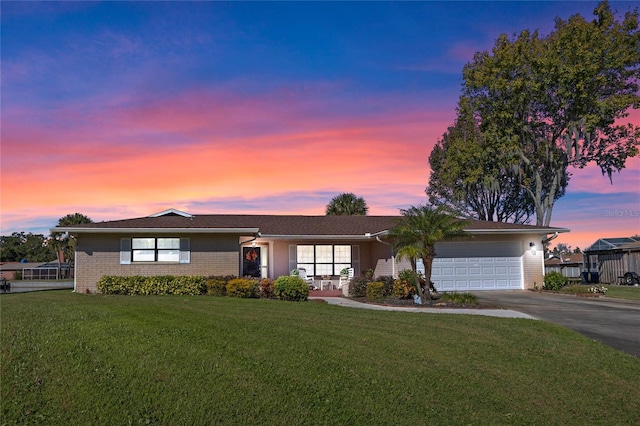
(417, 232)
(347, 204)
(406, 248)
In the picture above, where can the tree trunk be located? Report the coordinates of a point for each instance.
(414, 267)
(428, 264)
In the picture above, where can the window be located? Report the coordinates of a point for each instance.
(323, 259)
(152, 249)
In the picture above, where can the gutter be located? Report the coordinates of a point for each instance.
(538, 231)
(79, 230)
(315, 237)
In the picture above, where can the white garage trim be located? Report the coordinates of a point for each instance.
(477, 273)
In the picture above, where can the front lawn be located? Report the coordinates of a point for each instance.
(87, 359)
(623, 292)
(612, 290)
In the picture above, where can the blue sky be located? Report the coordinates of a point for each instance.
(122, 109)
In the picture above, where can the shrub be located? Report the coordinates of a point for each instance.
(158, 285)
(358, 287)
(17, 275)
(266, 288)
(244, 288)
(217, 286)
(375, 291)
(460, 298)
(555, 281)
(368, 274)
(405, 286)
(291, 287)
(388, 281)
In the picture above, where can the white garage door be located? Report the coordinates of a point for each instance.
(477, 273)
(477, 266)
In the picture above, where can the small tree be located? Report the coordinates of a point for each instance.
(347, 204)
(418, 231)
(64, 244)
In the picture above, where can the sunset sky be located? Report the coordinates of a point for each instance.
(123, 109)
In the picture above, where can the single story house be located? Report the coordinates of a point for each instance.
(609, 259)
(9, 270)
(498, 256)
(569, 265)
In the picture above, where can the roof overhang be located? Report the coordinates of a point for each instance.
(315, 237)
(78, 230)
(535, 231)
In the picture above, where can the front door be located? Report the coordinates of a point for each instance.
(254, 262)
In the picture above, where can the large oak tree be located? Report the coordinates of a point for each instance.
(559, 101)
(471, 174)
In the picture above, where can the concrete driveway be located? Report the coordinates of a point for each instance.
(614, 322)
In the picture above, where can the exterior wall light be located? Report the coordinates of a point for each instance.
(533, 248)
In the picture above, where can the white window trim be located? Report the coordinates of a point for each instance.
(126, 252)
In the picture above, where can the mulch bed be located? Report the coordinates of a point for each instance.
(408, 303)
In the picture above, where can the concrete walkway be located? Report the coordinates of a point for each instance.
(501, 313)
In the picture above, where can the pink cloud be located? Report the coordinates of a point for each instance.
(215, 150)
(284, 152)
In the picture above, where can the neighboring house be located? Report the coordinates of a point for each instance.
(35, 270)
(609, 259)
(8, 269)
(569, 265)
(498, 256)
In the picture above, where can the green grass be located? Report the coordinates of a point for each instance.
(623, 292)
(615, 291)
(77, 359)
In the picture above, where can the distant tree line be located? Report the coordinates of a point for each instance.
(29, 247)
(25, 246)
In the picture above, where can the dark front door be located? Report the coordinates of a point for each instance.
(251, 262)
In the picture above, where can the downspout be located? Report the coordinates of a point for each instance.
(393, 257)
(546, 240)
(241, 243)
(544, 254)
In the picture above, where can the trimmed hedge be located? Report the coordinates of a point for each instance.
(243, 288)
(292, 288)
(217, 286)
(375, 291)
(158, 285)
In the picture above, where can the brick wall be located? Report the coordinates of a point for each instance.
(98, 255)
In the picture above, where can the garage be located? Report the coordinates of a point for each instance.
(467, 266)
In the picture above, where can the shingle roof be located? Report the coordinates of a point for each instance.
(567, 259)
(284, 225)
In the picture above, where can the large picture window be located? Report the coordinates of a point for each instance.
(154, 249)
(323, 259)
